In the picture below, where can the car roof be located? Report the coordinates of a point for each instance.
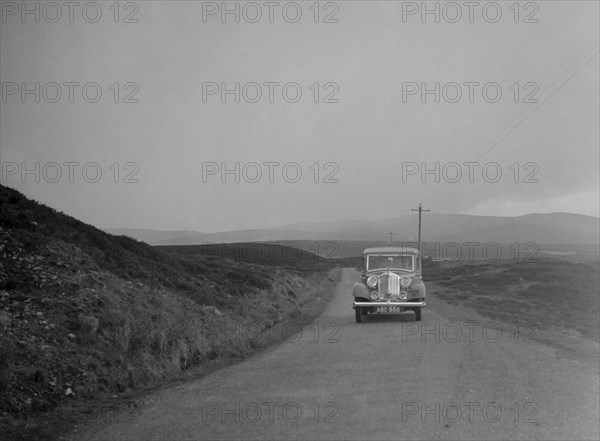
(392, 250)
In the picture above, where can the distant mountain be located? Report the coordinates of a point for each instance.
(555, 228)
(549, 228)
(151, 236)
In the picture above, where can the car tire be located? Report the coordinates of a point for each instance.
(359, 314)
(417, 314)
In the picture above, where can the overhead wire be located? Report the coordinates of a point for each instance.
(528, 112)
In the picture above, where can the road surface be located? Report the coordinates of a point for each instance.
(453, 376)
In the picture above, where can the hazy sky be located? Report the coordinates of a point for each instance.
(372, 143)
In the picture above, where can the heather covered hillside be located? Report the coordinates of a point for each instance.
(85, 313)
(551, 293)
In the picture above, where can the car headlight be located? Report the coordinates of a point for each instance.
(372, 281)
(405, 282)
(403, 295)
(374, 295)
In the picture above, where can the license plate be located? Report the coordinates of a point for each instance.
(389, 309)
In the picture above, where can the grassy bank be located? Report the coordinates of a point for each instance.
(87, 317)
(550, 293)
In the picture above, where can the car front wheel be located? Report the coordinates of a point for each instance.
(417, 314)
(359, 314)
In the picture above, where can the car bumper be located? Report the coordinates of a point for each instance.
(375, 304)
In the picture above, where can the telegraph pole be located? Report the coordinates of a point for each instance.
(391, 234)
(420, 209)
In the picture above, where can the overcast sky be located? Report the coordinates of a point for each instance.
(371, 142)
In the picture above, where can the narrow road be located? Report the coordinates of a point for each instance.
(452, 376)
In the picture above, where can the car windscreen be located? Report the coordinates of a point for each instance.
(397, 262)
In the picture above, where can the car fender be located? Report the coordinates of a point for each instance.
(360, 290)
(420, 288)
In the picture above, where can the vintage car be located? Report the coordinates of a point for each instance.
(390, 282)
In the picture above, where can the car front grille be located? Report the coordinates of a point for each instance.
(389, 284)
